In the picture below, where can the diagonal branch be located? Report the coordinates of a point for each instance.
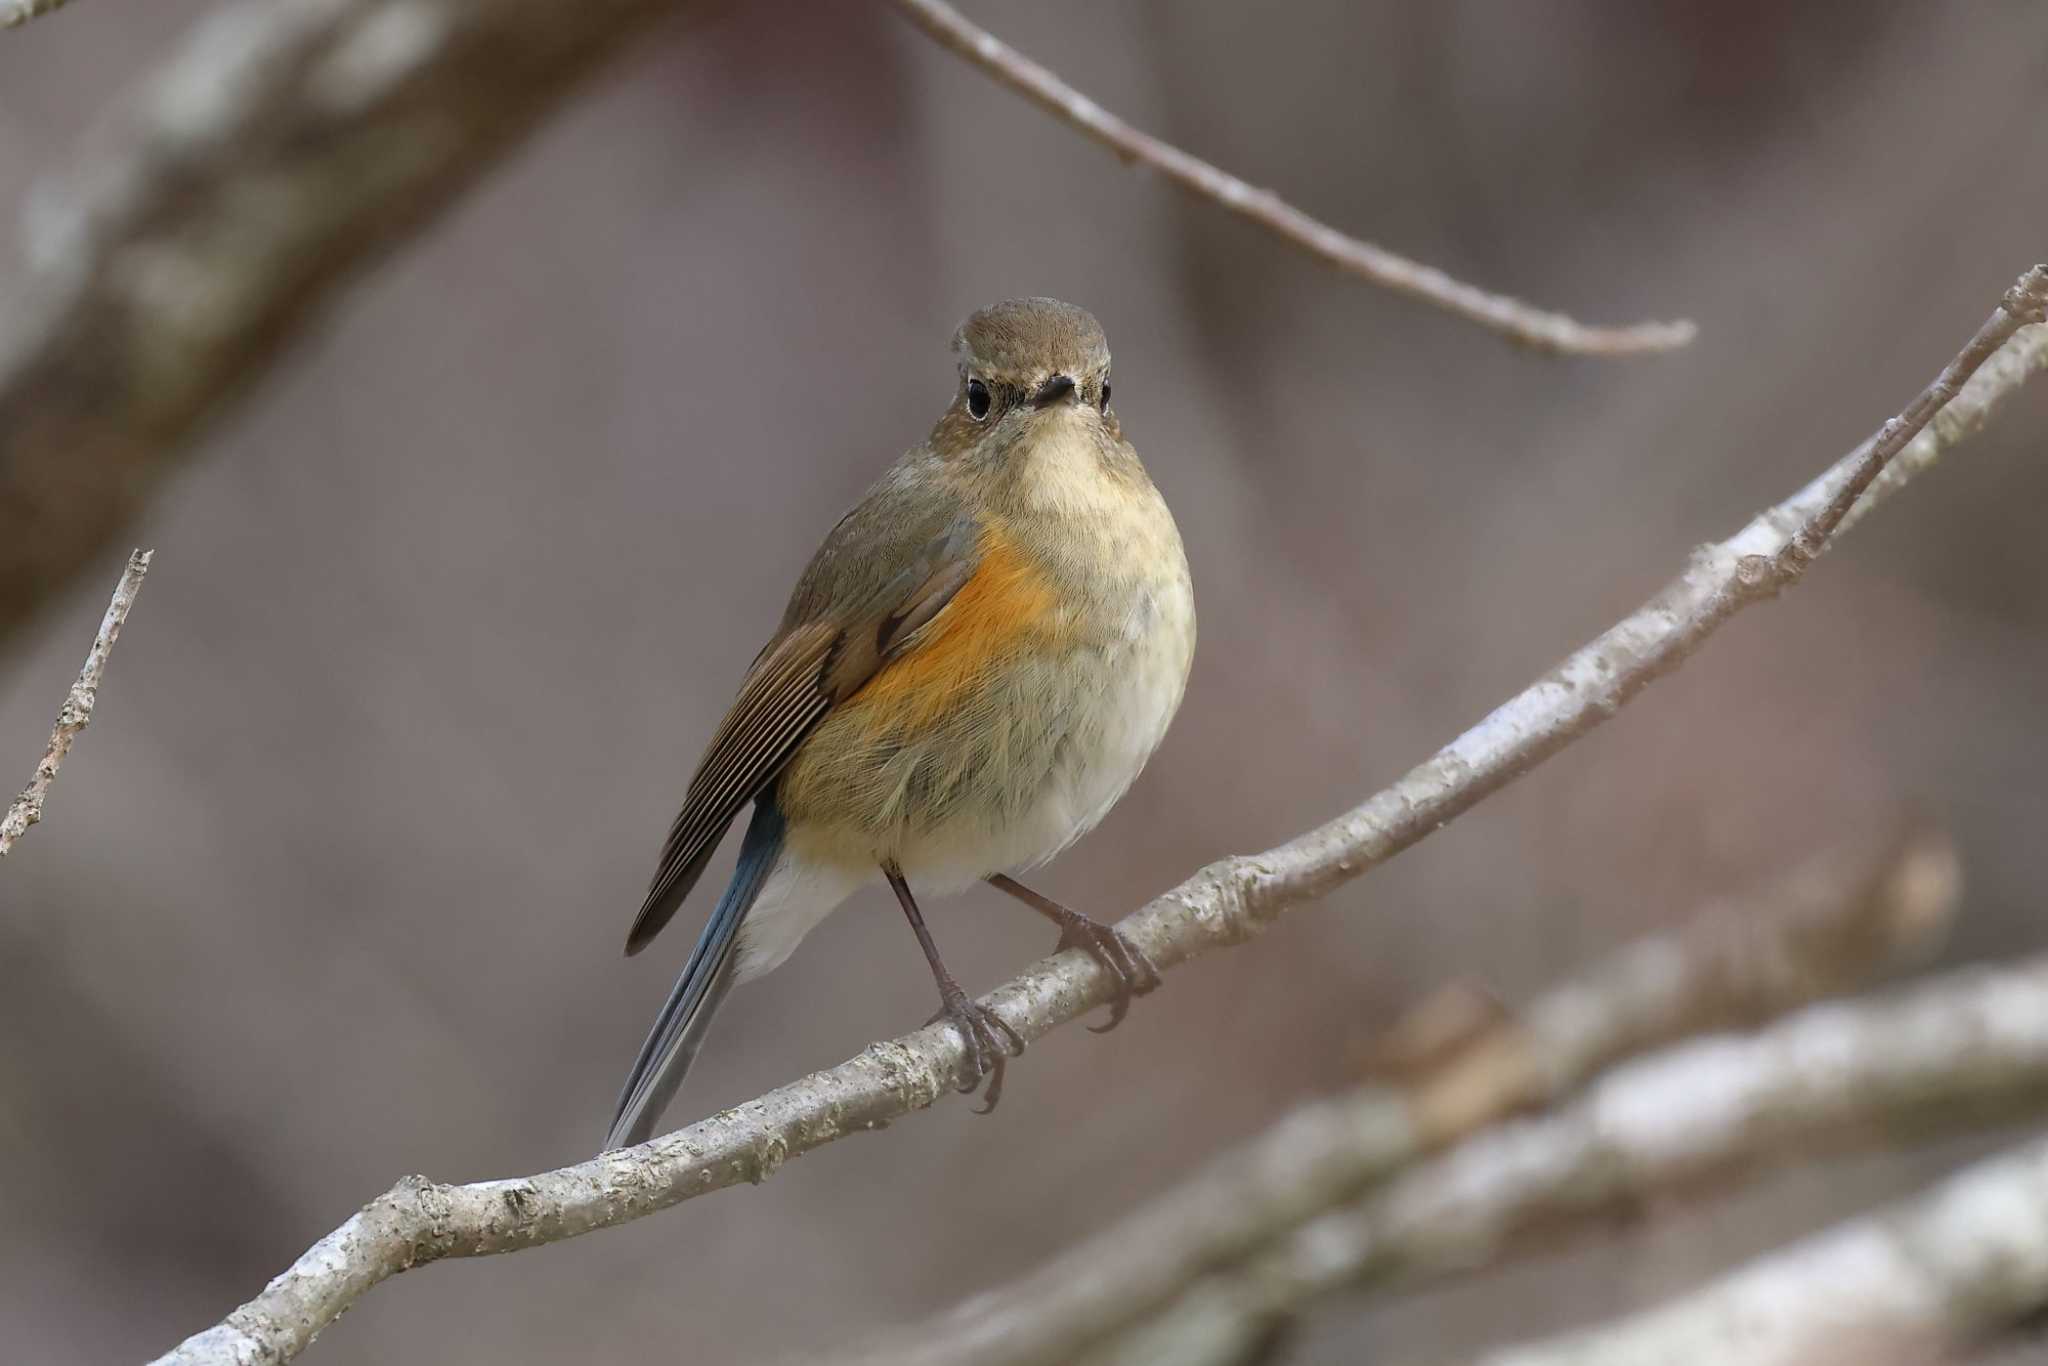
(419, 1221)
(78, 704)
(1829, 926)
(15, 13)
(1511, 318)
(1968, 1258)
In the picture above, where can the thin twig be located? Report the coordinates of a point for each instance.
(15, 13)
(1967, 1259)
(2025, 303)
(1828, 926)
(1518, 321)
(78, 704)
(419, 1221)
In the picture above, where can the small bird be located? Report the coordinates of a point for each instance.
(973, 669)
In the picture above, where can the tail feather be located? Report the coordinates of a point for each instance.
(679, 1030)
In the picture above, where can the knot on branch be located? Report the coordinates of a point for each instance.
(413, 1215)
(77, 709)
(1761, 576)
(768, 1156)
(1233, 911)
(2027, 300)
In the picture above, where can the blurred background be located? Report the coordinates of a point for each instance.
(442, 615)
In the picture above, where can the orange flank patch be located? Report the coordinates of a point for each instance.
(1005, 608)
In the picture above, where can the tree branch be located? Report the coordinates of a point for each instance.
(1828, 926)
(78, 704)
(1511, 318)
(15, 13)
(419, 1221)
(1966, 1259)
(286, 145)
(1967, 1049)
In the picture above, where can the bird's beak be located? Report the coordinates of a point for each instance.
(1052, 391)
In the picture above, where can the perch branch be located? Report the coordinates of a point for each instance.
(78, 705)
(1828, 926)
(1965, 1050)
(15, 13)
(285, 145)
(1511, 318)
(420, 1221)
(1966, 1259)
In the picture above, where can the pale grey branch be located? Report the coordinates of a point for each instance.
(419, 1221)
(1964, 1050)
(78, 704)
(1965, 1260)
(1511, 318)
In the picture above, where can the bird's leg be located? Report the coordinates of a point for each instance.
(1134, 972)
(978, 1025)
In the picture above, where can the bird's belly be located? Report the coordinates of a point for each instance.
(1028, 764)
(1110, 715)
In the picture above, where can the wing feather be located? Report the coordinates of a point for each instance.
(798, 678)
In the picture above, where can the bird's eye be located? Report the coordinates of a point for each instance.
(1105, 393)
(977, 399)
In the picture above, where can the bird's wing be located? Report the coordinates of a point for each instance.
(810, 666)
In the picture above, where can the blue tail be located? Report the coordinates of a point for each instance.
(679, 1029)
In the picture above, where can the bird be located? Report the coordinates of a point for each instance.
(972, 670)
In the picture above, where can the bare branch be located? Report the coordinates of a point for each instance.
(78, 705)
(1967, 1049)
(15, 13)
(1511, 318)
(418, 1221)
(283, 147)
(1828, 926)
(1966, 1259)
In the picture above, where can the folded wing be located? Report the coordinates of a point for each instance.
(804, 672)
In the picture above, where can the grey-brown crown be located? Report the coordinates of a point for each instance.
(1026, 339)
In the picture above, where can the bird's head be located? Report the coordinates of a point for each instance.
(1025, 364)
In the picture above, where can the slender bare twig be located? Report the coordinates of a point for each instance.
(15, 13)
(420, 1221)
(1511, 318)
(1965, 1050)
(1968, 1258)
(1826, 927)
(78, 704)
(283, 146)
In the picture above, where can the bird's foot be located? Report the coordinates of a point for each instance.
(1135, 973)
(989, 1042)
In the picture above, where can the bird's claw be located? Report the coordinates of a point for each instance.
(989, 1041)
(1135, 973)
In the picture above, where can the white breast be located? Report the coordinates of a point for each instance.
(1123, 694)
(1143, 691)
